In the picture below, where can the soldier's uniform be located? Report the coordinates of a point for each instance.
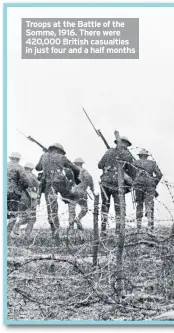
(53, 163)
(28, 202)
(109, 179)
(148, 175)
(17, 182)
(81, 192)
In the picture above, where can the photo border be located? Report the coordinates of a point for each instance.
(5, 105)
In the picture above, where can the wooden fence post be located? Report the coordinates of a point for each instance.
(95, 230)
(121, 231)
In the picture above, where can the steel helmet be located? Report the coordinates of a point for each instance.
(124, 138)
(143, 152)
(15, 155)
(79, 160)
(58, 146)
(29, 165)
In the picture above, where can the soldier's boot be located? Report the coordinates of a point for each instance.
(72, 215)
(139, 224)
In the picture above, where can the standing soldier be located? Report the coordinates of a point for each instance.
(28, 202)
(81, 191)
(148, 175)
(54, 164)
(109, 179)
(17, 181)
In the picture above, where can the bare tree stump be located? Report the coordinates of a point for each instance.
(121, 229)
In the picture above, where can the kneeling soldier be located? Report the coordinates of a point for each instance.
(81, 192)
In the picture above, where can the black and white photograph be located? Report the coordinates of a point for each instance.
(89, 227)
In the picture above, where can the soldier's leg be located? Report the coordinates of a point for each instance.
(149, 206)
(72, 213)
(52, 209)
(139, 197)
(24, 207)
(31, 222)
(12, 207)
(84, 209)
(105, 196)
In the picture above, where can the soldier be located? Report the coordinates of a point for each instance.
(54, 164)
(109, 179)
(148, 175)
(81, 191)
(17, 181)
(28, 202)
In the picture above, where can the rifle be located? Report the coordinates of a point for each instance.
(30, 138)
(98, 132)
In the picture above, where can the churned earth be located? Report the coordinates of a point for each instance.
(51, 281)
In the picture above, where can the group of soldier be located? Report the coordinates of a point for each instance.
(58, 175)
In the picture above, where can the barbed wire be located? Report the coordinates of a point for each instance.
(50, 280)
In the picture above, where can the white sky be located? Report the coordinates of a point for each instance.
(135, 97)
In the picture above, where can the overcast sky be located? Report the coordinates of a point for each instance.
(135, 97)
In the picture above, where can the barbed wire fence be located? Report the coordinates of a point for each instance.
(78, 278)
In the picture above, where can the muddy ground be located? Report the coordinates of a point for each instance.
(50, 281)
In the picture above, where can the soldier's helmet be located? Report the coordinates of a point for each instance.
(29, 165)
(79, 160)
(143, 152)
(58, 146)
(124, 138)
(15, 155)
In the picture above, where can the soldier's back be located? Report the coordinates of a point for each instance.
(147, 165)
(144, 171)
(51, 162)
(85, 178)
(113, 155)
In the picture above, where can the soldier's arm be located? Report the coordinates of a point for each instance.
(68, 164)
(102, 162)
(130, 168)
(39, 167)
(158, 173)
